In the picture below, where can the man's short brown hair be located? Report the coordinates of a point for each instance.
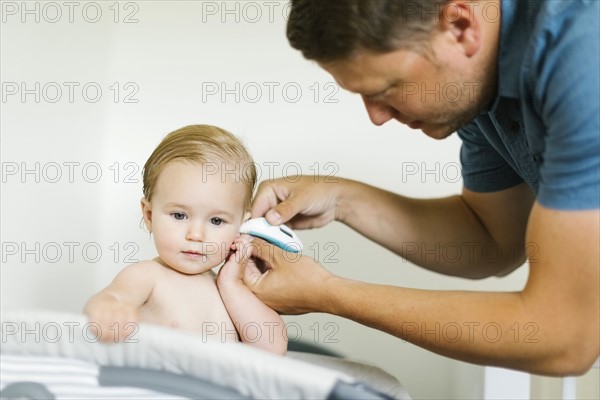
(332, 30)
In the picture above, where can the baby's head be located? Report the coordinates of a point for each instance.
(204, 145)
(198, 186)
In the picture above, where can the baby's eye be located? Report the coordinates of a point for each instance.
(216, 221)
(179, 216)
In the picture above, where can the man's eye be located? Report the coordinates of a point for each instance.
(178, 216)
(216, 221)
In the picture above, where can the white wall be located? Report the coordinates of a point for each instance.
(165, 64)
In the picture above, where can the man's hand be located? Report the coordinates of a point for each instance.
(302, 202)
(290, 283)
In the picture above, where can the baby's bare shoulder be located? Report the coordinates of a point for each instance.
(145, 268)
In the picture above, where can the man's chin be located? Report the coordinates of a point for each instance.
(437, 132)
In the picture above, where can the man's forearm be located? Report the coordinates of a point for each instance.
(483, 328)
(550, 327)
(443, 235)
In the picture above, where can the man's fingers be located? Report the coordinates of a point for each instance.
(284, 211)
(276, 203)
(251, 274)
(264, 251)
(264, 199)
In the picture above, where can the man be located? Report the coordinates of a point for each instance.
(520, 83)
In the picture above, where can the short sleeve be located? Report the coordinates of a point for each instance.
(567, 97)
(484, 169)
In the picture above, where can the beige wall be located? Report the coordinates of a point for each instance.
(587, 386)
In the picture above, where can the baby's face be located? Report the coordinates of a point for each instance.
(195, 214)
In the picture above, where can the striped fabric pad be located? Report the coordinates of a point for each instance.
(66, 378)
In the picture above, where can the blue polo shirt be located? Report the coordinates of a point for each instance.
(544, 126)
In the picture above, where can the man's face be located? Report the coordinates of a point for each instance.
(436, 94)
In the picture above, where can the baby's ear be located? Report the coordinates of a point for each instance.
(146, 213)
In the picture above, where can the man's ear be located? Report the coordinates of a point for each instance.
(147, 213)
(462, 21)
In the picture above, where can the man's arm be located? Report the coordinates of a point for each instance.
(474, 235)
(482, 234)
(551, 327)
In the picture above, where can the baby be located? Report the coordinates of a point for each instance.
(198, 186)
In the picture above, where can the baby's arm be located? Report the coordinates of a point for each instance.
(257, 324)
(114, 310)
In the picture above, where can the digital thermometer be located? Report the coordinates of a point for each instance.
(278, 235)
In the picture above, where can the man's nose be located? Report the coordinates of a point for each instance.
(379, 113)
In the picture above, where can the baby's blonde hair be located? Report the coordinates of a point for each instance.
(202, 144)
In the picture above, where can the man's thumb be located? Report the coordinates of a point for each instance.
(282, 212)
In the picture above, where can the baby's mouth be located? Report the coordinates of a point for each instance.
(193, 254)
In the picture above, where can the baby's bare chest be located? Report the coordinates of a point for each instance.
(187, 302)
